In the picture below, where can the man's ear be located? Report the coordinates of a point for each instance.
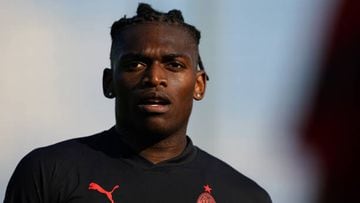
(200, 85)
(108, 86)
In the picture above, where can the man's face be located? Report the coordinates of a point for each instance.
(154, 79)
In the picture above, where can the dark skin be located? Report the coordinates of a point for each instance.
(154, 80)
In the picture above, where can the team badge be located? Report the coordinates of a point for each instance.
(206, 196)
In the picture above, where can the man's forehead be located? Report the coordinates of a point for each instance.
(151, 38)
(162, 48)
(156, 29)
(149, 55)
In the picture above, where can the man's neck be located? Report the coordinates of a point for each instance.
(165, 149)
(155, 151)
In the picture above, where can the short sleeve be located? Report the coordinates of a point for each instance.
(27, 183)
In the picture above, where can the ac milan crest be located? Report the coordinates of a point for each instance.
(206, 196)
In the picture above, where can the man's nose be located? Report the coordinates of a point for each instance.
(155, 75)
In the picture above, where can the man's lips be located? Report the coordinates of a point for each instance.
(154, 102)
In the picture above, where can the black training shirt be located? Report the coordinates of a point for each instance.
(102, 169)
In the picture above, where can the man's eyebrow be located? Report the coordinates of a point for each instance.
(166, 57)
(175, 55)
(130, 56)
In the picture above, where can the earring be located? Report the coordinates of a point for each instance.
(198, 95)
(110, 94)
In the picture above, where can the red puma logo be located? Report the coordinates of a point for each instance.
(94, 186)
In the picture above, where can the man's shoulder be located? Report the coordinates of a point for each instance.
(212, 163)
(44, 169)
(232, 178)
(64, 150)
(56, 159)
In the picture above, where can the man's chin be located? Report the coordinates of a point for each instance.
(157, 127)
(156, 130)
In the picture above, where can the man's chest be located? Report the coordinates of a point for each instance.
(127, 184)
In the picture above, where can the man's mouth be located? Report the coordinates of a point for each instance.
(154, 102)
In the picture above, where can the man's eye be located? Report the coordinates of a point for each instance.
(134, 66)
(175, 65)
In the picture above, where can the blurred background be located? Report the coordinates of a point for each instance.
(281, 72)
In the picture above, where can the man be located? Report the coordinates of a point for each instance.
(146, 156)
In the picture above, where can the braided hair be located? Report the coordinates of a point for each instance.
(145, 13)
